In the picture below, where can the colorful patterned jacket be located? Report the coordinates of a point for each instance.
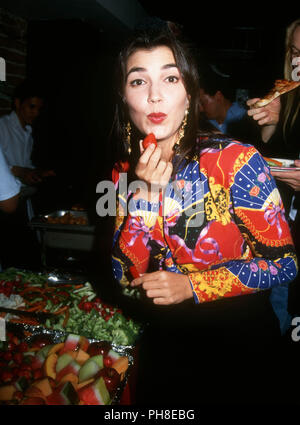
(223, 225)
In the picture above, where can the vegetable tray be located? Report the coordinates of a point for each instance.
(75, 308)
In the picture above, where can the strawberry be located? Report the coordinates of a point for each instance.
(148, 140)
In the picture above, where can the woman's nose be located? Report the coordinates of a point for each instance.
(154, 95)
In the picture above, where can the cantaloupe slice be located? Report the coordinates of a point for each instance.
(81, 356)
(34, 391)
(84, 383)
(121, 365)
(50, 365)
(44, 386)
(7, 392)
(70, 377)
(56, 348)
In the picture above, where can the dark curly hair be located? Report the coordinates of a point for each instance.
(149, 37)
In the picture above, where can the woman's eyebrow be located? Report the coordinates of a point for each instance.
(141, 69)
(169, 65)
(136, 69)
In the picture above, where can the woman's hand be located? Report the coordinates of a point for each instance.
(291, 178)
(164, 287)
(266, 116)
(153, 170)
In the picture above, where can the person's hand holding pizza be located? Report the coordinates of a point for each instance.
(291, 178)
(266, 110)
(264, 115)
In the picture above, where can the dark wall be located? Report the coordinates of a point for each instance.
(74, 62)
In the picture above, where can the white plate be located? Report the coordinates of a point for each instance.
(285, 162)
(283, 169)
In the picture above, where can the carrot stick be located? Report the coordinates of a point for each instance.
(61, 310)
(37, 307)
(25, 320)
(67, 315)
(31, 289)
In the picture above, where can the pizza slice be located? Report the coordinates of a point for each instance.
(280, 87)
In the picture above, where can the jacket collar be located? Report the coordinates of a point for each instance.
(16, 123)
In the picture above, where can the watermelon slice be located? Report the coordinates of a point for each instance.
(72, 367)
(40, 357)
(110, 358)
(62, 361)
(95, 394)
(71, 343)
(37, 361)
(65, 394)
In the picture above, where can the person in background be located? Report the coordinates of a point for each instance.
(280, 130)
(16, 138)
(203, 238)
(9, 193)
(16, 142)
(217, 97)
(9, 188)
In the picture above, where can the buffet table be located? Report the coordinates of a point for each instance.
(61, 341)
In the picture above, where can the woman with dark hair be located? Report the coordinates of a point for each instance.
(280, 130)
(203, 227)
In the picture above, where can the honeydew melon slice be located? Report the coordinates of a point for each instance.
(90, 367)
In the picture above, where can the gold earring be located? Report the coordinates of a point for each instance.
(128, 137)
(181, 131)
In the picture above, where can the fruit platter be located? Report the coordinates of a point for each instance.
(43, 368)
(34, 302)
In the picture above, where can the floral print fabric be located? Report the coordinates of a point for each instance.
(221, 222)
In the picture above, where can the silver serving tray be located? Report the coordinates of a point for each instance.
(41, 222)
(59, 336)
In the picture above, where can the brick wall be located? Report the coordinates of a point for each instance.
(13, 48)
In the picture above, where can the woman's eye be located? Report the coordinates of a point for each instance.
(172, 79)
(137, 82)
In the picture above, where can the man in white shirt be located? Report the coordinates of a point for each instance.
(9, 188)
(16, 134)
(9, 192)
(21, 244)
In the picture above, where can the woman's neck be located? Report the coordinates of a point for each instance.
(166, 146)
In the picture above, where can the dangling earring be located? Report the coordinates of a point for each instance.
(128, 136)
(181, 131)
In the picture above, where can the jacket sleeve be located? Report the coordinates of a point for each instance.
(134, 222)
(269, 258)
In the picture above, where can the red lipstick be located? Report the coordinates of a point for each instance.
(157, 117)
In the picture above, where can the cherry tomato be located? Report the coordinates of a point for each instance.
(18, 358)
(25, 373)
(22, 347)
(38, 374)
(148, 140)
(6, 376)
(8, 356)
